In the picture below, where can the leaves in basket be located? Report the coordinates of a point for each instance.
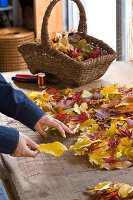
(72, 44)
(55, 148)
(102, 117)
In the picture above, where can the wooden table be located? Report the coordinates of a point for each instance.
(50, 178)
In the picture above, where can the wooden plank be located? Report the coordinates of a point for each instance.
(56, 18)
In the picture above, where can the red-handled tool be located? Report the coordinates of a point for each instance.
(25, 78)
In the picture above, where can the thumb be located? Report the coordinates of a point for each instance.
(31, 153)
(32, 144)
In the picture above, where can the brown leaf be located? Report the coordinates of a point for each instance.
(117, 165)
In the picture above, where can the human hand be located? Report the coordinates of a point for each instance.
(50, 121)
(26, 147)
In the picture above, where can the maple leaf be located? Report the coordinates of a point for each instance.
(61, 116)
(109, 90)
(97, 157)
(77, 95)
(125, 133)
(89, 126)
(81, 143)
(52, 90)
(75, 53)
(55, 148)
(102, 114)
(65, 104)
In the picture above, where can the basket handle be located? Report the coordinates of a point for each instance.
(82, 28)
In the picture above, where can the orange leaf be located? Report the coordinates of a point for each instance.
(125, 109)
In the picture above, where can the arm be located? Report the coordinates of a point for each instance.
(8, 140)
(17, 144)
(14, 103)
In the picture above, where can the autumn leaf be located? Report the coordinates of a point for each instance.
(125, 109)
(86, 94)
(100, 186)
(81, 143)
(103, 118)
(109, 90)
(65, 104)
(125, 190)
(55, 148)
(112, 191)
(97, 157)
(103, 113)
(117, 165)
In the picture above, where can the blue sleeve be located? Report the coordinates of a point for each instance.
(8, 140)
(14, 103)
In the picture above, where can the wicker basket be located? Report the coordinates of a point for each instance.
(10, 38)
(44, 58)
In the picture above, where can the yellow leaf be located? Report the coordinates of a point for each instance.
(90, 126)
(126, 142)
(33, 95)
(120, 151)
(55, 148)
(83, 107)
(109, 90)
(125, 190)
(67, 91)
(85, 142)
(97, 157)
(100, 186)
(76, 109)
(112, 130)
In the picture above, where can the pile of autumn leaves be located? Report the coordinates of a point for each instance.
(112, 191)
(103, 117)
(71, 44)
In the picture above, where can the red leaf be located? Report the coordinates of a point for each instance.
(77, 95)
(125, 133)
(79, 118)
(58, 97)
(52, 90)
(61, 116)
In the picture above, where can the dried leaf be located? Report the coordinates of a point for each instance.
(117, 165)
(55, 148)
(125, 190)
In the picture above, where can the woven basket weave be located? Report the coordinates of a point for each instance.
(44, 58)
(10, 38)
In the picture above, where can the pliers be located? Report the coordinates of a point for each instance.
(25, 78)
